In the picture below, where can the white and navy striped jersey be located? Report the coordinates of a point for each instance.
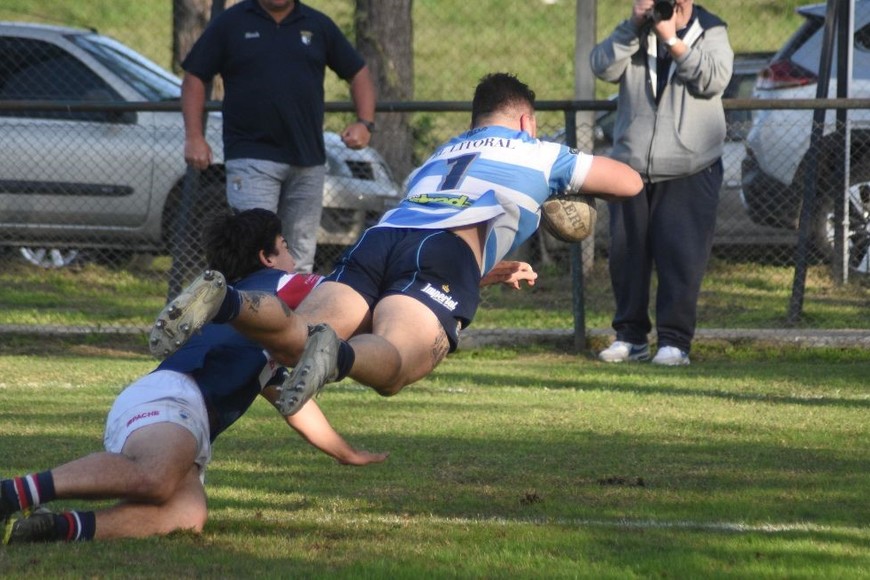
(493, 175)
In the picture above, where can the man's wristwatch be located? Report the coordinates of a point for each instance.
(370, 125)
(672, 41)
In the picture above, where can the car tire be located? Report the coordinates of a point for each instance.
(858, 236)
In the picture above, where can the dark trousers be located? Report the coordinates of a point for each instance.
(669, 226)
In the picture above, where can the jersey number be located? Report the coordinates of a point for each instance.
(458, 167)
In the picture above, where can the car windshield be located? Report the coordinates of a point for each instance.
(153, 82)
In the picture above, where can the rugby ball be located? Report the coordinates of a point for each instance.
(569, 218)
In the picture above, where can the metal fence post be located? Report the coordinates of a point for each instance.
(808, 205)
(578, 304)
(840, 255)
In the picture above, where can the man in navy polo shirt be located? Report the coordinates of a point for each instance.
(272, 56)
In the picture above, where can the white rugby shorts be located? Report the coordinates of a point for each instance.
(159, 397)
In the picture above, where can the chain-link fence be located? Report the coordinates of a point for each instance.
(92, 171)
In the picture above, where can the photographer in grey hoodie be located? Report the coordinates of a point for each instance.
(670, 127)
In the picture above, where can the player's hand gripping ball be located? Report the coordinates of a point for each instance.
(569, 218)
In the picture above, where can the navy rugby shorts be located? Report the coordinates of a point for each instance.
(435, 267)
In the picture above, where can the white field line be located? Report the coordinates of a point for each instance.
(733, 527)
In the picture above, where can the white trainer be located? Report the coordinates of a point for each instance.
(621, 351)
(671, 356)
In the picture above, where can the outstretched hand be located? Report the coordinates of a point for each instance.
(358, 458)
(511, 274)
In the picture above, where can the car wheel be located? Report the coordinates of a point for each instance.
(49, 257)
(858, 237)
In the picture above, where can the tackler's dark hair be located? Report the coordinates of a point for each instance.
(233, 241)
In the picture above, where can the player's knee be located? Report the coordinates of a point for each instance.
(184, 518)
(196, 521)
(388, 390)
(154, 488)
(390, 386)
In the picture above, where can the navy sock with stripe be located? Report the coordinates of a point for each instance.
(75, 526)
(23, 493)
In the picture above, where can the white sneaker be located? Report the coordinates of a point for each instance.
(671, 356)
(621, 351)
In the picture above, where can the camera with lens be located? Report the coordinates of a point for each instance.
(662, 10)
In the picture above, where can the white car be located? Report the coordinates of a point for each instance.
(773, 171)
(112, 180)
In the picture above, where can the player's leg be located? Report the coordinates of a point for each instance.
(406, 347)
(186, 509)
(407, 343)
(152, 469)
(259, 315)
(266, 320)
(339, 306)
(324, 357)
(417, 280)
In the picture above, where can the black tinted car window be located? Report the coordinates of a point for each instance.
(152, 82)
(32, 70)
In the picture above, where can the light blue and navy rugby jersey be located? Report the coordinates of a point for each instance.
(496, 175)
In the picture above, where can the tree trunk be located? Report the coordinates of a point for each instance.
(189, 19)
(384, 36)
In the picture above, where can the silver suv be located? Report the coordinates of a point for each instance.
(111, 180)
(773, 171)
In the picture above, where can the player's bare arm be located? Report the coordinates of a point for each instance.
(611, 180)
(314, 427)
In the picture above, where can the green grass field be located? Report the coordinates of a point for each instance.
(504, 464)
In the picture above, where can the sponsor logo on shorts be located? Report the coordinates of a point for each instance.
(442, 298)
(143, 416)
